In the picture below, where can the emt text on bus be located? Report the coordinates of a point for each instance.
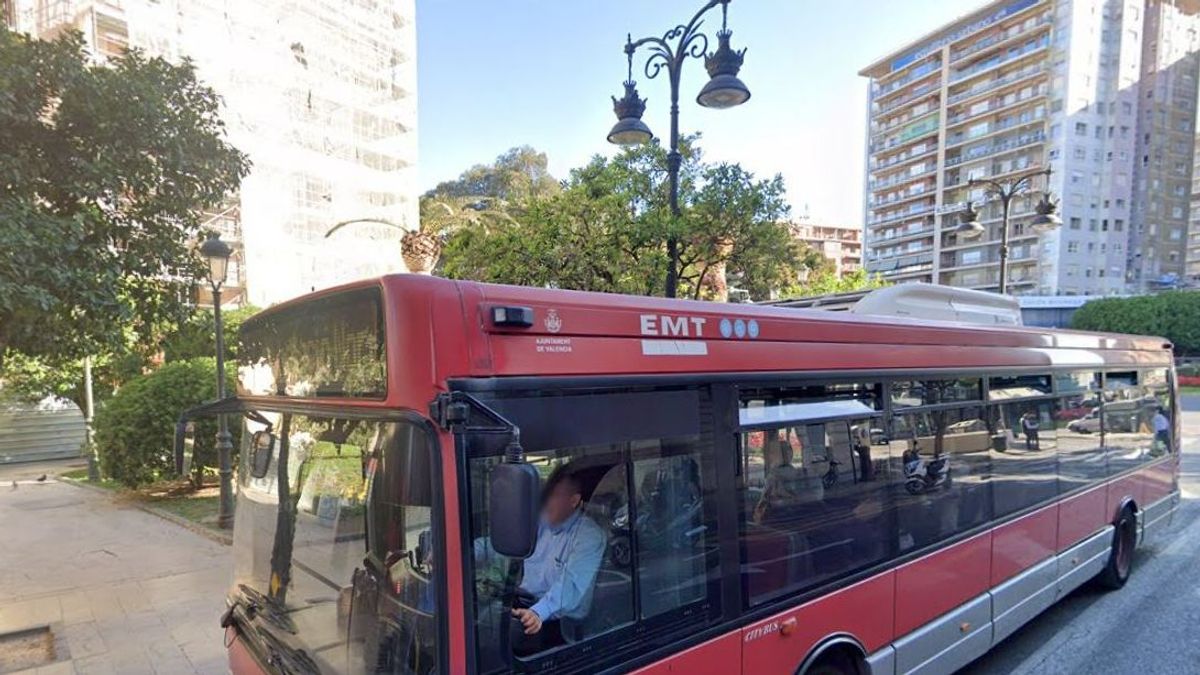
(452, 477)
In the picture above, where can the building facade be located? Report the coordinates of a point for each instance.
(1103, 92)
(322, 97)
(842, 244)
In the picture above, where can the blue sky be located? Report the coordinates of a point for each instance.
(494, 74)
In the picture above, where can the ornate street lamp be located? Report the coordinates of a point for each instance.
(217, 253)
(1046, 220)
(724, 90)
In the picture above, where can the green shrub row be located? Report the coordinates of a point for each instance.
(135, 430)
(1174, 315)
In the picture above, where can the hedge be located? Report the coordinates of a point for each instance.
(135, 431)
(1174, 315)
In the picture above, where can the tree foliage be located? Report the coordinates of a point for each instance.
(1174, 315)
(135, 431)
(196, 335)
(825, 282)
(104, 170)
(519, 173)
(607, 228)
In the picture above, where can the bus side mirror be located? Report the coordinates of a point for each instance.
(185, 447)
(513, 495)
(263, 445)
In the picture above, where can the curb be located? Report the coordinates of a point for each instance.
(195, 528)
(207, 533)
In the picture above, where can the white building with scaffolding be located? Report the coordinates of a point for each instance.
(321, 94)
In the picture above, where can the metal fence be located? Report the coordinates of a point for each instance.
(47, 430)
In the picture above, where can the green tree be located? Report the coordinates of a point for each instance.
(519, 173)
(825, 281)
(104, 170)
(196, 336)
(1174, 315)
(606, 230)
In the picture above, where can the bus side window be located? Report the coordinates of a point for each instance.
(675, 532)
(1024, 455)
(813, 506)
(943, 468)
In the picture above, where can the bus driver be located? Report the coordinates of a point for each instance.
(562, 570)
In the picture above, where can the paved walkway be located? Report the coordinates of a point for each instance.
(124, 591)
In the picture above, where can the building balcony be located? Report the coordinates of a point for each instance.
(912, 212)
(959, 262)
(998, 62)
(959, 179)
(960, 138)
(927, 69)
(980, 88)
(913, 95)
(903, 158)
(998, 40)
(901, 199)
(995, 107)
(997, 146)
(901, 237)
(881, 132)
(902, 178)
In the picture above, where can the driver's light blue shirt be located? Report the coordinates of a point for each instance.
(562, 570)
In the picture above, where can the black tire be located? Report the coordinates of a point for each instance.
(1120, 559)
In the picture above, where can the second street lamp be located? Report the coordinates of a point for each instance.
(724, 90)
(1046, 219)
(217, 253)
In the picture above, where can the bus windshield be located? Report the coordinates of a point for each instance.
(333, 563)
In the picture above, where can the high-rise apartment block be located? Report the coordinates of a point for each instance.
(1103, 92)
(841, 244)
(322, 97)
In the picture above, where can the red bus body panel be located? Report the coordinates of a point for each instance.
(716, 657)
(1021, 543)
(1081, 515)
(930, 586)
(863, 610)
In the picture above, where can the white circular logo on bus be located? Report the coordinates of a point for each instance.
(739, 328)
(752, 327)
(726, 328)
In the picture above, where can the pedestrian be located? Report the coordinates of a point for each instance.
(1029, 425)
(1162, 429)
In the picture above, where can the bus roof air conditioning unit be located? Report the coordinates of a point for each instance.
(944, 303)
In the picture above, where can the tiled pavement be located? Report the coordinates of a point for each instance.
(124, 591)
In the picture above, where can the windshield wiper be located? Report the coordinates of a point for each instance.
(288, 659)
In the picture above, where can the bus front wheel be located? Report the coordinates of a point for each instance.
(1120, 560)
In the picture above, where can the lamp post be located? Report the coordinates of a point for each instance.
(217, 253)
(1045, 220)
(724, 90)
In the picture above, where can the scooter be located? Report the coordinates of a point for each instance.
(921, 476)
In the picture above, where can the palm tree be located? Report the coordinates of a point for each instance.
(440, 217)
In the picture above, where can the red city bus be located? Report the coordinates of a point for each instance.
(763, 490)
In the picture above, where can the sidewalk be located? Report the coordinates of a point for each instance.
(123, 591)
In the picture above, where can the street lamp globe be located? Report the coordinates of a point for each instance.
(724, 89)
(970, 227)
(217, 253)
(1046, 219)
(629, 129)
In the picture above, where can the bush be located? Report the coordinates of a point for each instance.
(1174, 315)
(135, 431)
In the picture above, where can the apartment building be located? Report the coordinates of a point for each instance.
(1192, 259)
(841, 244)
(1100, 91)
(321, 95)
